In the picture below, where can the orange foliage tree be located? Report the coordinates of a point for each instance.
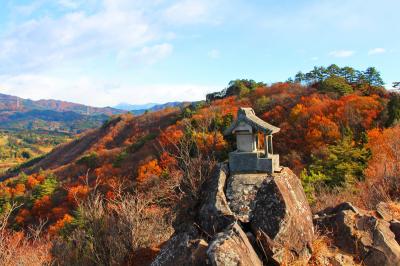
(55, 228)
(42, 207)
(77, 193)
(383, 171)
(148, 170)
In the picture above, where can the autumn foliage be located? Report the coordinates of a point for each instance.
(339, 136)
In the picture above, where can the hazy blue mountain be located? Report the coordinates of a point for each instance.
(157, 107)
(130, 107)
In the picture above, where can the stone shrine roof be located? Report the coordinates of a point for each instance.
(248, 116)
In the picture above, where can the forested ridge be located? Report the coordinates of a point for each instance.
(339, 134)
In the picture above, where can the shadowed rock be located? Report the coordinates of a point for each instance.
(282, 218)
(215, 214)
(232, 248)
(183, 248)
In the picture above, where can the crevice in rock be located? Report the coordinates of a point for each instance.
(395, 228)
(246, 227)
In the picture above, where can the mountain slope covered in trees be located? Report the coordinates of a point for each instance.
(50, 115)
(338, 133)
(14, 103)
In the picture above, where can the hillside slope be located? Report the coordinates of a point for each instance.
(14, 103)
(111, 139)
(50, 115)
(339, 137)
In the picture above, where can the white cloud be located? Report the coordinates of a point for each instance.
(69, 4)
(50, 55)
(43, 42)
(376, 51)
(96, 92)
(342, 53)
(214, 54)
(193, 11)
(89, 29)
(147, 55)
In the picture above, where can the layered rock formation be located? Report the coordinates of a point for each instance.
(244, 219)
(372, 239)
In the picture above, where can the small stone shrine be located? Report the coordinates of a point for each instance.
(249, 158)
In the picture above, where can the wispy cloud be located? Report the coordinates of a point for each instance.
(194, 11)
(214, 54)
(74, 35)
(376, 51)
(40, 43)
(147, 55)
(342, 53)
(72, 4)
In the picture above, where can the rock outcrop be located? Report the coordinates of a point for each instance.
(258, 219)
(277, 209)
(183, 248)
(241, 192)
(282, 218)
(231, 248)
(214, 214)
(234, 211)
(361, 234)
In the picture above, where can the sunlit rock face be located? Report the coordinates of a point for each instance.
(237, 210)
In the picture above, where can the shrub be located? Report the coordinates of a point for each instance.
(336, 84)
(140, 142)
(119, 159)
(107, 232)
(343, 164)
(91, 160)
(18, 248)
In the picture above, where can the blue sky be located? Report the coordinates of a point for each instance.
(102, 52)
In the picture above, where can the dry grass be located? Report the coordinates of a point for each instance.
(110, 232)
(327, 197)
(394, 209)
(19, 248)
(322, 253)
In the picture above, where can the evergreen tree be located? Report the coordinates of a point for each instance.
(373, 77)
(333, 70)
(393, 109)
(343, 164)
(336, 84)
(349, 74)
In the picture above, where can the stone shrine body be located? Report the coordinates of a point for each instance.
(248, 158)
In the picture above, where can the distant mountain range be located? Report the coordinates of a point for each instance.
(157, 107)
(131, 107)
(55, 115)
(14, 103)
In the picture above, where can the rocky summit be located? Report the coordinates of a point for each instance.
(245, 219)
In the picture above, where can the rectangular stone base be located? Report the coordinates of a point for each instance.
(253, 162)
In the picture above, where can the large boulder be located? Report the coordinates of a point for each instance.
(386, 212)
(241, 192)
(272, 209)
(214, 213)
(361, 234)
(183, 248)
(232, 248)
(281, 218)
